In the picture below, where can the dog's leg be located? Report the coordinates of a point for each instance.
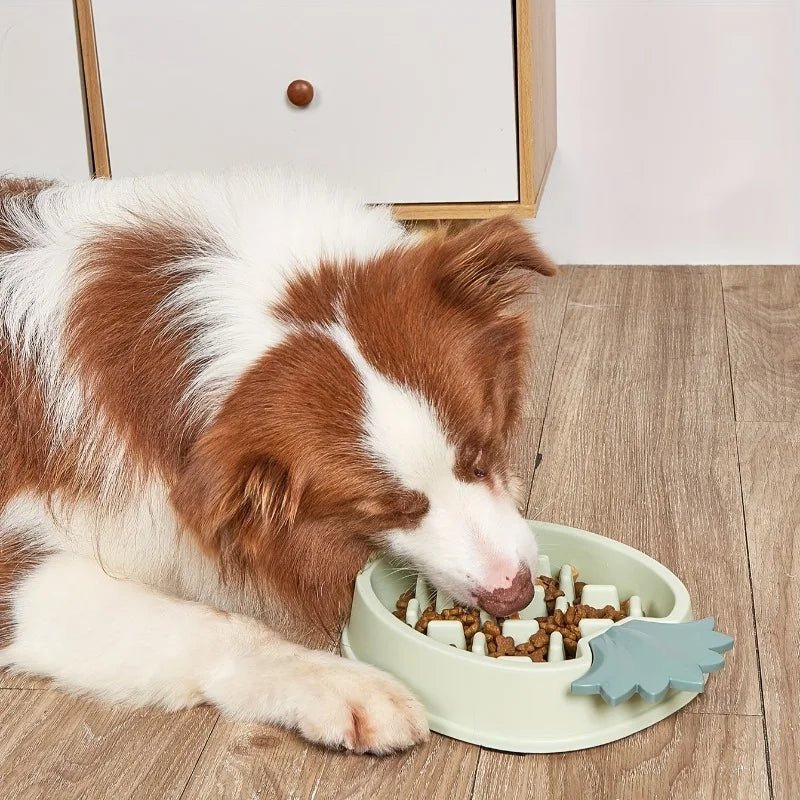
(124, 641)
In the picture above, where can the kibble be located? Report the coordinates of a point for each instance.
(404, 599)
(504, 646)
(540, 639)
(539, 655)
(535, 648)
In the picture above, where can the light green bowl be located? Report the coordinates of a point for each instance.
(514, 704)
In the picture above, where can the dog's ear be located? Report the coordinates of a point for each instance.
(313, 568)
(484, 266)
(231, 504)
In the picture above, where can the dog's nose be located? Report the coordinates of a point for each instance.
(513, 598)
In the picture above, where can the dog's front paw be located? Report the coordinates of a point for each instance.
(360, 708)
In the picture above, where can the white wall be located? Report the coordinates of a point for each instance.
(42, 126)
(679, 133)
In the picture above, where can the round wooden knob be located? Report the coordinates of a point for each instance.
(300, 93)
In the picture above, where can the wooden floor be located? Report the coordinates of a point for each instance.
(666, 409)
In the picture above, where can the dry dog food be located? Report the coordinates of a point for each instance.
(565, 622)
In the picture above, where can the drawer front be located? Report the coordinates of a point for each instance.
(413, 101)
(42, 125)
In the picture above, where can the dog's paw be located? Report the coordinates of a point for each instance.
(360, 708)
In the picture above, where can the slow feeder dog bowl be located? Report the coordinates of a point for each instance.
(625, 677)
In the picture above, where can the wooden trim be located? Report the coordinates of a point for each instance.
(540, 93)
(543, 181)
(461, 210)
(525, 132)
(94, 96)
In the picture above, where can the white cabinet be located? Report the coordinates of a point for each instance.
(42, 122)
(413, 101)
(445, 109)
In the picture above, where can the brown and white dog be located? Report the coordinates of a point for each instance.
(218, 396)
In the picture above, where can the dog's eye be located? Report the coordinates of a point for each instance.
(478, 472)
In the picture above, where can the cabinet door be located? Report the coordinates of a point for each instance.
(42, 123)
(414, 101)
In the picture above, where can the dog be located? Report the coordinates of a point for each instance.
(218, 397)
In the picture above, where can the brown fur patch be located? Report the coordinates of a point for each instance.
(311, 297)
(28, 459)
(133, 365)
(18, 557)
(362, 733)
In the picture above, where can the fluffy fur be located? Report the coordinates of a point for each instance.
(218, 396)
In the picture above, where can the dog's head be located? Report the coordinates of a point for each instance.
(381, 421)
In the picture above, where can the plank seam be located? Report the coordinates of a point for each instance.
(199, 756)
(747, 544)
(538, 454)
(471, 794)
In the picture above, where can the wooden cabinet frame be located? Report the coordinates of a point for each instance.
(536, 113)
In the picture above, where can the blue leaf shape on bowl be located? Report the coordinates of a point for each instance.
(650, 658)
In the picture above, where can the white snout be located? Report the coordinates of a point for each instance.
(474, 545)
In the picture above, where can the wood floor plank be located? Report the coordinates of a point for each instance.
(650, 339)
(763, 313)
(254, 761)
(685, 757)
(56, 746)
(770, 464)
